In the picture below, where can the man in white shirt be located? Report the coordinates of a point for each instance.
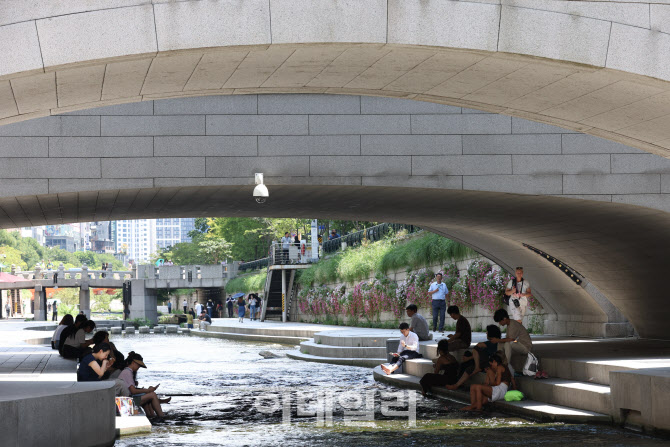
(439, 291)
(198, 309)
(185, 305)
(518, 291)
(408, 348)
(285, 244)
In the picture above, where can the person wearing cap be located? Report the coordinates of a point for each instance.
(149, 400)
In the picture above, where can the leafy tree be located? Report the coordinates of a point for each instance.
(216, 249)
(10, 255)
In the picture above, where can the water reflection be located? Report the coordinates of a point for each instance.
(226, 378)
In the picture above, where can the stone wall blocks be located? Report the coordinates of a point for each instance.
(54, 126)
(101, 147)
(640, 164)
(554, 35)
(257, 125)
(360, 166)
(153, 167)
(612, 184)
(660, 17)
(511, 144)
(461, 124)
(45, 168)
(246, 166)
(19, 48)
(655, 201)
(390, 106)
(361, 125)
(97, 35)
(305, 104)
(417, 181)
(57, 186)
(152, 125)
(462, 165)
(190, 24)
(624, 51)
(208, 105)
(449, 24)
(522, 126)
(561, 164)
(587, 144)
(24, 147)
(411, 145)
(516, 184)
(126, 109)
(309, 145)
(212, 146)
(23, 187)
(296, 21)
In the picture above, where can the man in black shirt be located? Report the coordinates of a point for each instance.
(205, 320)
(462, 338)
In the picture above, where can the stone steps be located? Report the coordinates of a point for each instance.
(596, 371)
(341, 338)
(280, 339)
(557, 391)
(530, 408)
(366, 362)
(322, 350)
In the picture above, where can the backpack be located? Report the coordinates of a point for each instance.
(532, 365)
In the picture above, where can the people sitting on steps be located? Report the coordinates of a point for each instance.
(462, 338)
(517, 340)
(418, 323)
(75, 341)
(65, 322)
(95, 364)
(408, 348)
(204, 320)
(477, 360)
(498, 380)
(148, 398)
(445, 369)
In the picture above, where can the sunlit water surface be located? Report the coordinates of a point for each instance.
(227, 379)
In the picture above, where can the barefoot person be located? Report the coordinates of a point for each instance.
(149, 400)
(498, 379)
(479, 358)
(407, 349)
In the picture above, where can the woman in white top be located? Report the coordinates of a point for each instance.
(66, 321)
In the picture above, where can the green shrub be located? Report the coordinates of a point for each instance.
(247, 283)
(137, 322)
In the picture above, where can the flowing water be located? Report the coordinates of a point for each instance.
(242, 399)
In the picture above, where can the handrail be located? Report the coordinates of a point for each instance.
(376, 233)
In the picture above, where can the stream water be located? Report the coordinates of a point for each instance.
(242, 399)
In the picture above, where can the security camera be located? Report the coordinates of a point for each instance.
(261, 192)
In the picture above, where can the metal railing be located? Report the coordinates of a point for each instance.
(376, 233)
(76, 273)
(254, 265)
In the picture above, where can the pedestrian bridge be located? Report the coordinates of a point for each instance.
(522, 129)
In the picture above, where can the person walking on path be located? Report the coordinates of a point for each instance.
(185, 305)
(439, 291)
(169, 307)
(229, 303)
(252, 306)
(198, 308)
(462, 338)
(54, 315)
(516, 341)
(8, 310)
(210, 307)
(408, 348)
(516, 295)
(241, 309)
(418, 324)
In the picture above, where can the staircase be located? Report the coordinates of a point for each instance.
(577, 390)
(272, 309)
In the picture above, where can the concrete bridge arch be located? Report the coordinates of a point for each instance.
(575, 64)
(491, 181)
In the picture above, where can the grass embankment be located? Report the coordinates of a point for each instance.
(252, 282)
(358, 263)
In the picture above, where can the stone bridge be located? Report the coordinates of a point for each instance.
(497, 123)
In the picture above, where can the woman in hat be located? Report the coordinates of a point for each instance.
(149, 400)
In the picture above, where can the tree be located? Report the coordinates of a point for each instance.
(216, 249)
(9, 256)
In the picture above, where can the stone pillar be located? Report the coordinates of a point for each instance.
(84, 272)
(85, 299)
(144, 301)
(40, 313)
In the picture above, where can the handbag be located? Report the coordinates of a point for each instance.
(516, 302)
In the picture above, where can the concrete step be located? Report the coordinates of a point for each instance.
(366, 362)
(529, 408)
(596, 371)
(274, 329)
(587, 396)
(280, 339)
(310, 347)
(351, 338)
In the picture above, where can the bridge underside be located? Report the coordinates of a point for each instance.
(620, 250)
(627, 108)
